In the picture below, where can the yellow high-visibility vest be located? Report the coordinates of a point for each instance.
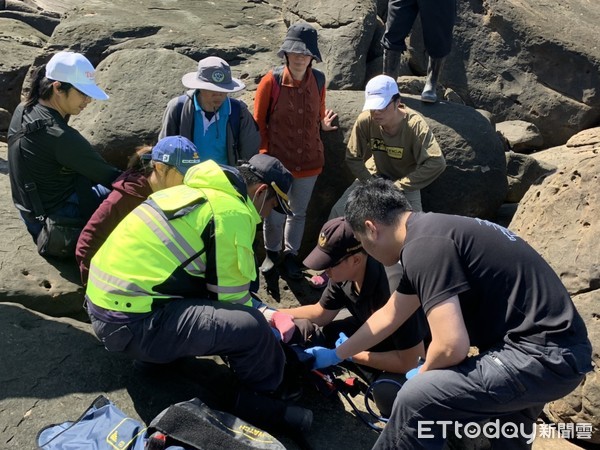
(188, 241)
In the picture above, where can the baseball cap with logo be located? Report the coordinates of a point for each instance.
(379, 92)
(213, 74)
(336, 241)
(272, 172)
(176, 151)
(76, 69)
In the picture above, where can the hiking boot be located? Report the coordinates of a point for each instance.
(434, 68)
(270, 262)
(291, 267)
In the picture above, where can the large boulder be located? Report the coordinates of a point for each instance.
(19, 44)
(559, 218)
(522, 59)
(116, 126)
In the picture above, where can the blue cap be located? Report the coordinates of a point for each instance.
(176, 151)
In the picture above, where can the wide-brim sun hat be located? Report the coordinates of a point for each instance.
(77, 70)
(213, 74)
(301, 38)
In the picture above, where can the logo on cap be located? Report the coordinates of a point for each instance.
(218, 76)
(165, 158)
(322, 240)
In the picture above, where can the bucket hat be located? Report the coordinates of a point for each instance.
(77, 70)
(301, 38)
(213, 74)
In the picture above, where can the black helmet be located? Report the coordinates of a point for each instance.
(301, 38)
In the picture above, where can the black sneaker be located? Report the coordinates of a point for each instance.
(291, 267)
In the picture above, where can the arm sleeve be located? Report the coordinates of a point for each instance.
(322, 107)
(262, 104)
(235, 263)
(76, 153)
(170, 123)
(428, 156)
(249, 139)
(358, 150)
(333, 297)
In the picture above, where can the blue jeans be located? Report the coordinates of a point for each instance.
(69, 209)
(276, 223)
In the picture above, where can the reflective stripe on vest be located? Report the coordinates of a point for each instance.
(148, 214)
(231, 290)
(116, 286)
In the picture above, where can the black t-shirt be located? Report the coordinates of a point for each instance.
(505, 288)
(54, 157)
(375, 292)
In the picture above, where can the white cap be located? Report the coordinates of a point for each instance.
(379, 92)
(75, 69)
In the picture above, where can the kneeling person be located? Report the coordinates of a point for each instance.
(361, 284)
(172, 280)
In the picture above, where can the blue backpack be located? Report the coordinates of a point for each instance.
(189, 425)
(102, 426)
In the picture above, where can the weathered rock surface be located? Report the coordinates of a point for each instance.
(523, 171)
(559, 218)
(522, 137)
(583, 404)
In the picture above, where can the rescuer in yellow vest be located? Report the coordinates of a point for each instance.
(172, 280)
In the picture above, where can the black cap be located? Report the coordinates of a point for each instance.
(336, 241)
(273, 173)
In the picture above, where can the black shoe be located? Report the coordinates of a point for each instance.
(270, 262)
(291, 267)
(298, 418)
(272, 283)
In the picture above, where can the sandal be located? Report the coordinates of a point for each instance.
(318, 281)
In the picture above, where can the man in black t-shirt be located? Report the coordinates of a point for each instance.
(360, 283)
(480, 285)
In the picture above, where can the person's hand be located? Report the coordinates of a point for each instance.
(285, 324)
(412, 372)
(324, 357)
(326, 123)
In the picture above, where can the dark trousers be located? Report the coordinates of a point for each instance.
(510, 384)
(437, 20)
(198, 327)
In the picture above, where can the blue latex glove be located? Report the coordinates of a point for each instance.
(324, 357)
(412, 372)
(343, 338)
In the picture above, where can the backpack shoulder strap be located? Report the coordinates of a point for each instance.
(29, 187)
(320, 77)
(179, 110)
(234, 122)
(275, 89)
